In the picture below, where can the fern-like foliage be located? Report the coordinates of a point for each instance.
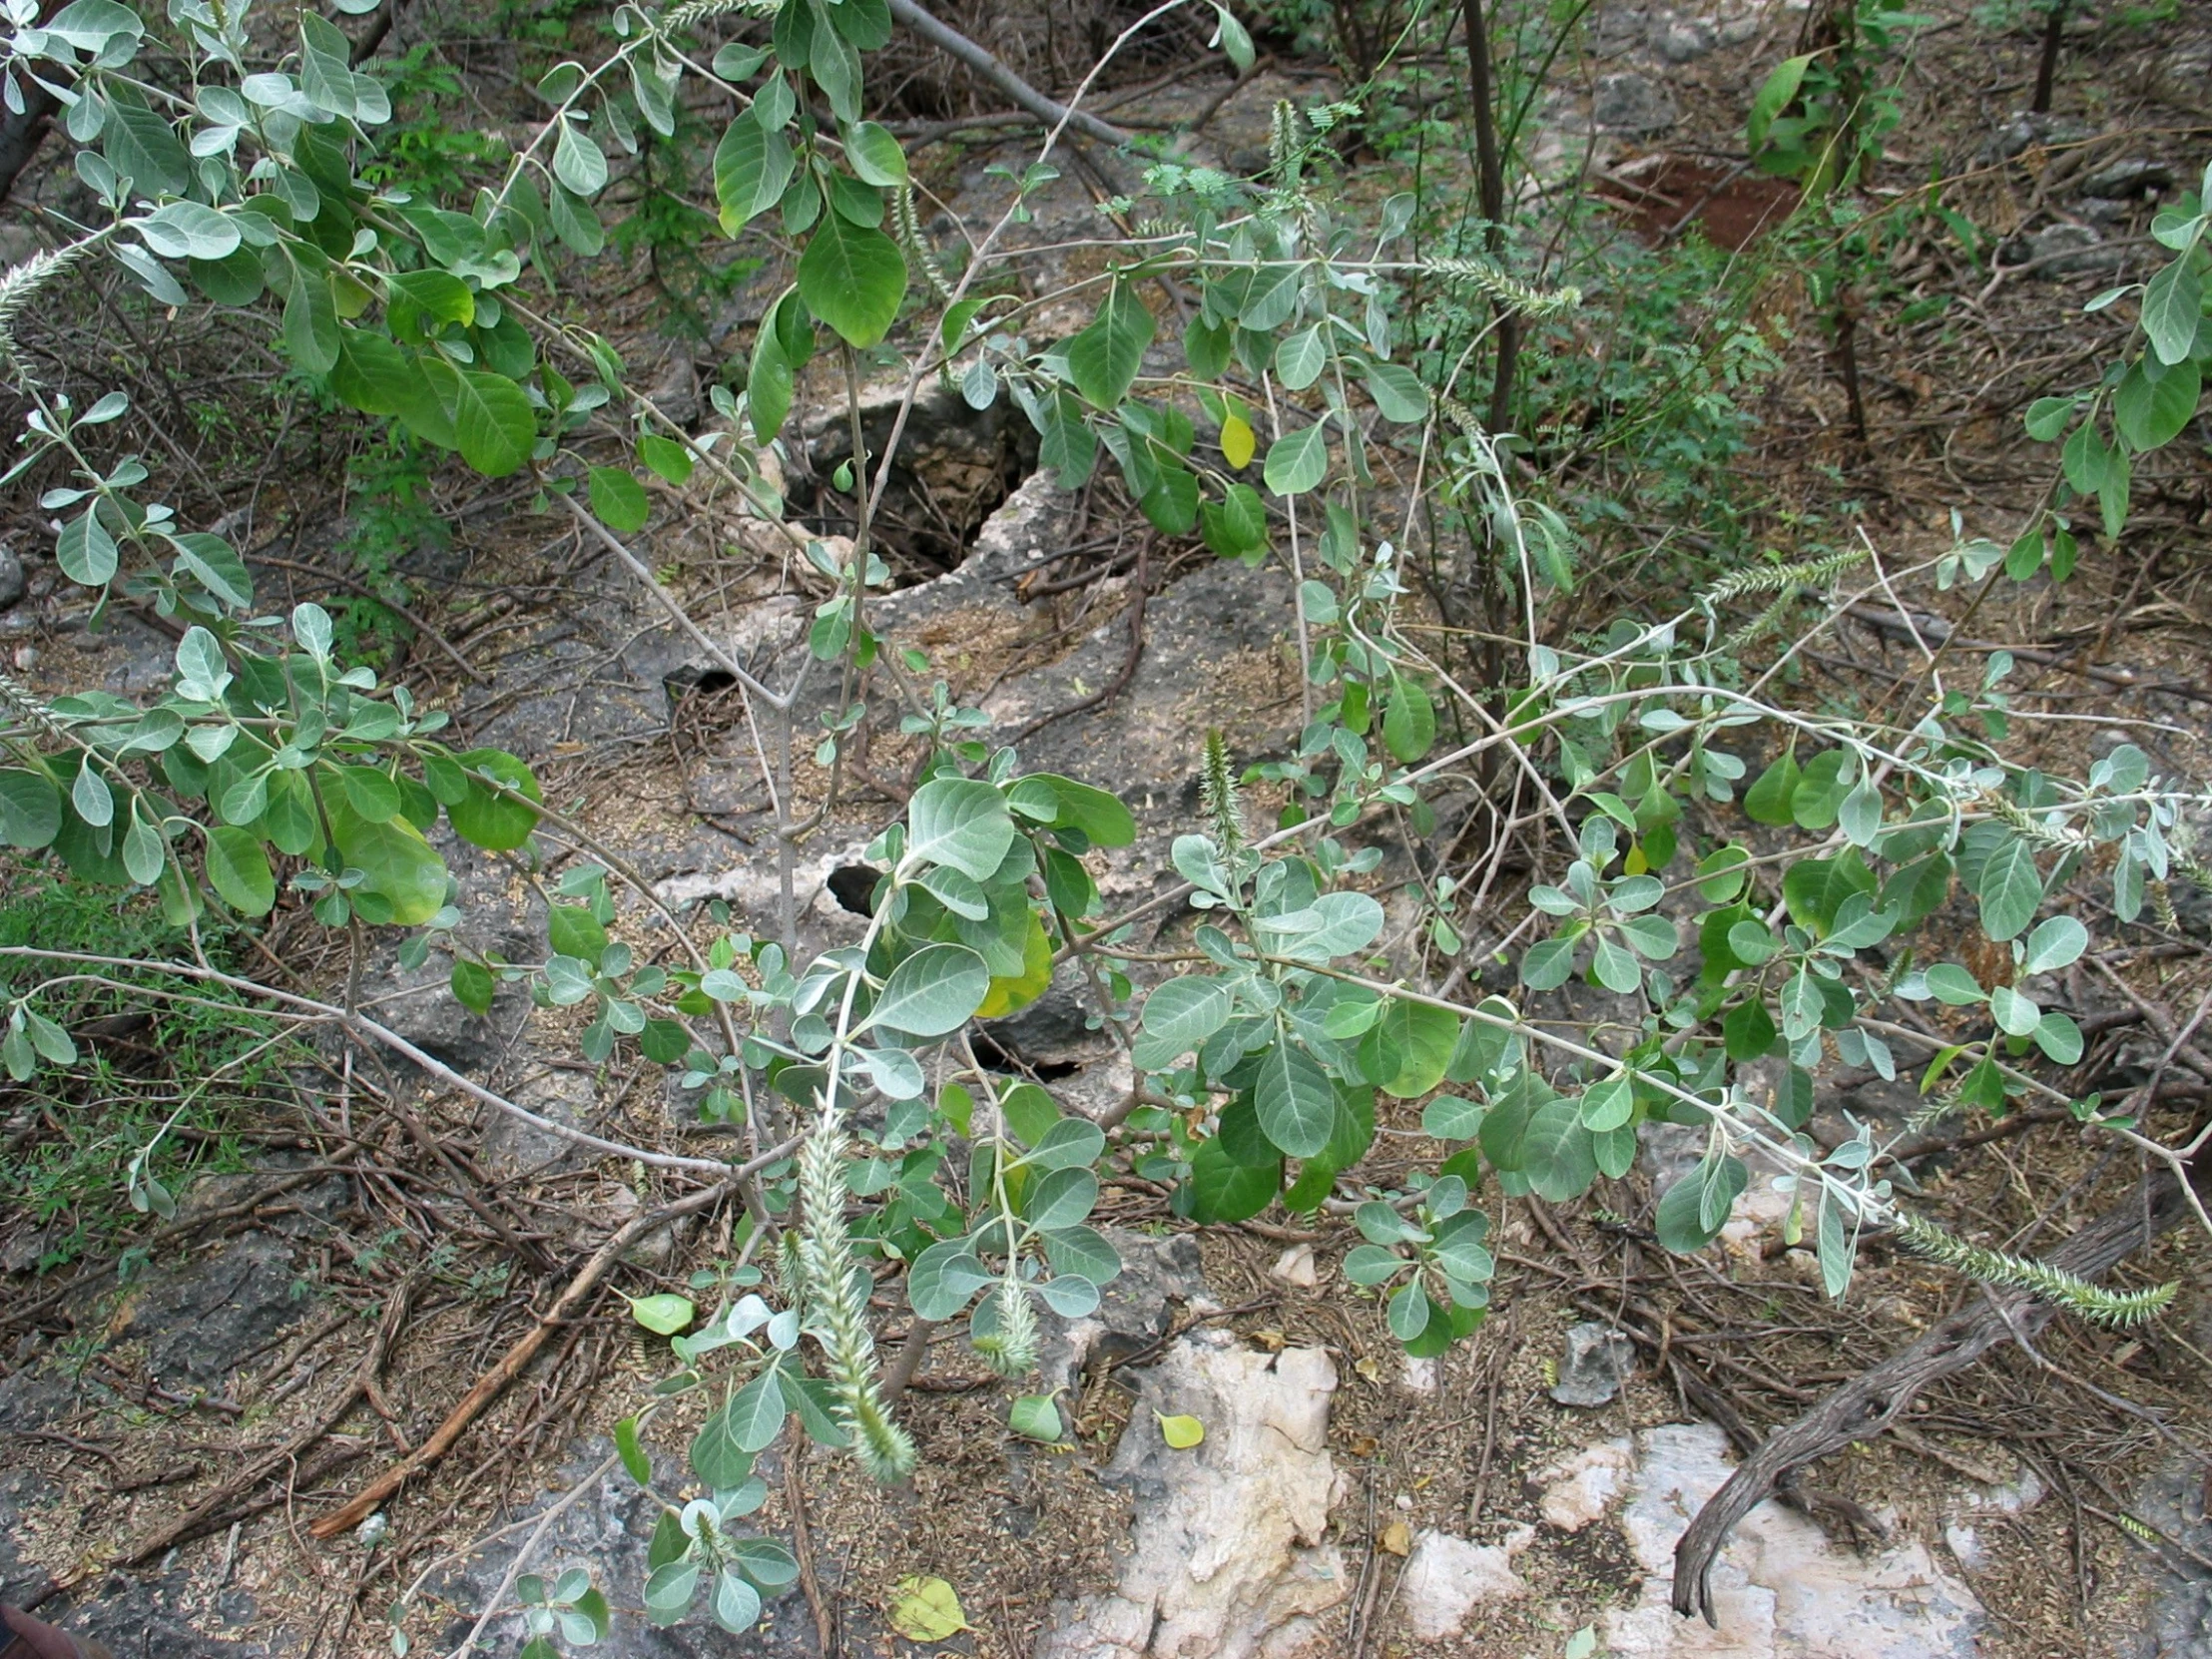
(1995, 1267)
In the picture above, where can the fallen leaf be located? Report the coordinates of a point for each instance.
(1181, 1432)
(1363, 1445)
(927, 1610)
(1366, 1368)
(1398, 1538)
(662, 1315)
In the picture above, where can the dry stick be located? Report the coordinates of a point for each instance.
(492, 1383)
(956, 45)
(803, 1548)
(1869, 1402)
(209, 1514)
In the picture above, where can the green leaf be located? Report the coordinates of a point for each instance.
(2151, 413)
(757, 1412)
(1178, 1017)
(1035, 1417)
(2172, 305)
(1398, 393)
(1609, 1103)
(2057, 943)
(30, 809)
(1421, 1037)
(1182, 1433)
(1223, 1190)
(1410, 724)
(1295, 1101)
(472, 986)
(1104, 359)
(619, 499)
(959, 822)
(1774, 94)
(311, 330)
(944, 1278)
(1298, 462)
(578, 162)
(934, 992)
(2010, 888)
(852, 278)
(1300, 358)
(1061, 1198)
(188, 229)
(874, 155)
(493, 822)
(85, 550)
(493, 422)
(2048, 417)
(144, 146)
(1068, 805)
(1686, 1220)
(572, 930)
(1768, 800)
(237, 870)
(402, 871)
(664, 1315)
(752, 166)
(1555, 1152)
(670, 460)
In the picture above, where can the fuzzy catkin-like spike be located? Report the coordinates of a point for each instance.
(20, 282)
(1506, 289)
(698, 11)
(1011, 1351)
(1808, 573)
(919, 250)
(1995, 1267)
(18, 699)
(1761, 625)
(1218, 799)
(836, 1304)
(2009, 811)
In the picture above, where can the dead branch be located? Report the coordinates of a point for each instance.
(494, 1382)
(1872, 1401)
(956, 45)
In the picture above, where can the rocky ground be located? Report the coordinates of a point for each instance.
(170, 1440)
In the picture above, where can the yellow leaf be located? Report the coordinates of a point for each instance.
(1635, 863)
(1237, 441)
(1398, 1538)
(1181, 1432)
(926, 1610)
(1021, 990)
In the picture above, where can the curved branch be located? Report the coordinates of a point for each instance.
(956, 45)
(1871, 1403)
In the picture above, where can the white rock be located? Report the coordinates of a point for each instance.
(1420, 1377)
(1581, 1488)
(1779, 1590)
(1446, 1578)
(1296, 1267)
(1965, 1543)
(1227, 1559)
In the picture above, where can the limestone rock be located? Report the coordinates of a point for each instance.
(1780, 1590)
(1227, 1559)
(1597, 1362)
(1633, 104)
(1447, 1578)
